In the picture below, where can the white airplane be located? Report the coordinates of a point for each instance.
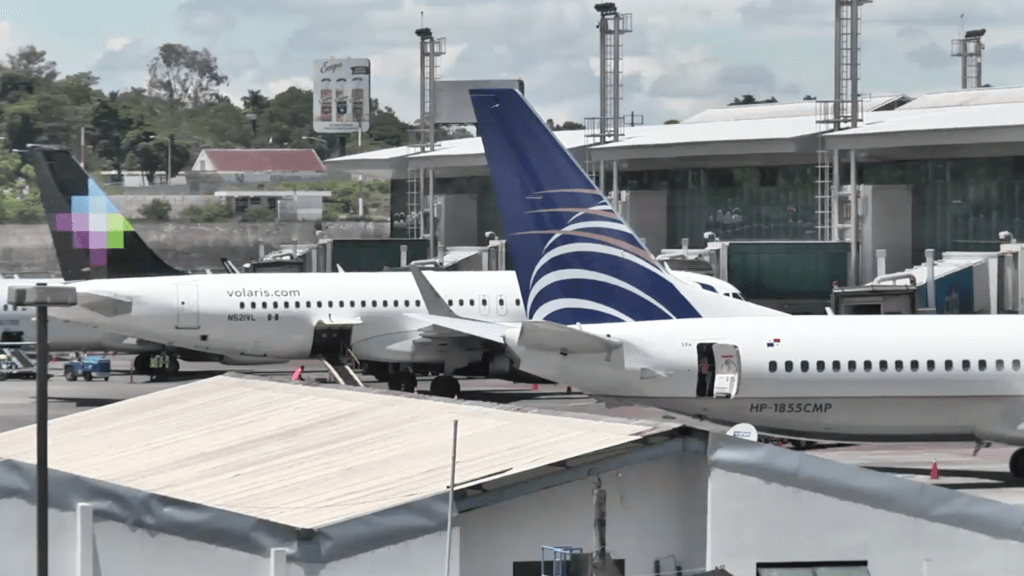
(602, 318)
(18, 329)
(262, 318)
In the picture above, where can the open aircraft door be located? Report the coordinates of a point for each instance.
(718, 373)
(188, 306)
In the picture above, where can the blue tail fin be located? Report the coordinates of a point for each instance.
(575, 258)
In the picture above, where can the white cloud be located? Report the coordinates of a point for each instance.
(116, 43)
(7, 42)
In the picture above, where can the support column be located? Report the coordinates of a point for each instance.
(278, 562)
(84, 541)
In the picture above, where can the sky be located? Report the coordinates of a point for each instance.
(683, 56)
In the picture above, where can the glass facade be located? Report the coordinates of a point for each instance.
(959, 204)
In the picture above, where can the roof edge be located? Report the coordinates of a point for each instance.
(866, 487)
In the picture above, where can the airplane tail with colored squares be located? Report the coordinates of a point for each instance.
(92, 238)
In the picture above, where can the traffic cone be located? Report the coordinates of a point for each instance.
(935, 470)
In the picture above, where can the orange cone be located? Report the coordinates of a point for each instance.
(935, 470)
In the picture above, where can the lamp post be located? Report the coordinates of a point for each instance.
(42, 297)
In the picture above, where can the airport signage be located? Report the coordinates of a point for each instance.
(341, 95)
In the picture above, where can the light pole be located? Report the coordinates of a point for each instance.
(42, 297)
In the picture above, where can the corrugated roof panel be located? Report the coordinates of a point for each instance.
(774, 110)
(265, 160)
(976, 97)
(758, 129)
(304, 456)
(952, 118)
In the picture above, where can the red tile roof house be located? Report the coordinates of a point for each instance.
(215, 168)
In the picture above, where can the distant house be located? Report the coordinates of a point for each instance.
(216, 167)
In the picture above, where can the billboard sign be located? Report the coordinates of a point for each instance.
(341, 95)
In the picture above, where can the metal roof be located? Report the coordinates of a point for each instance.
(776, 110)
(265, 160)
(309, 457)
(975, 97)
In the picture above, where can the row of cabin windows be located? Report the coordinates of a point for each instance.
(883, 365)
(362, 303)
(13, 308)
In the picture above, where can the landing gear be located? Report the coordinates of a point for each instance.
(447, 386)
(141, 364)
(1017, 464)
(403, 380)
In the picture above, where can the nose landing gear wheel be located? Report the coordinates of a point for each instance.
(1017, 464)
(447, 386)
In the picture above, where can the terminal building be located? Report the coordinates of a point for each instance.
(942, 171)
(235, 475)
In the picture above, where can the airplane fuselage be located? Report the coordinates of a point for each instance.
(852, 378)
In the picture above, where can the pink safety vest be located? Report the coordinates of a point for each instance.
(297, 373)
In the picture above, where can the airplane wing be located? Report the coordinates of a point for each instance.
(105, 304)
(533, 334)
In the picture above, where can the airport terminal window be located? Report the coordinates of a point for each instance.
(789, 365)
(899, 365)
(804, 365)
(931, 365)
(982, 365)
(967, 365)
(821, 365)
(883, 365)
(773, 366)
(853, 365)
(913, 365)
(999, 365)
(1016, 365)
(949, 365)
(837, 365)
(867, 365)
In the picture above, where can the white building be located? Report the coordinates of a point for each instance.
(245, 166)
(238, 476)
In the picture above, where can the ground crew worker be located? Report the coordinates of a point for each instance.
(154, 366)
(297, 375)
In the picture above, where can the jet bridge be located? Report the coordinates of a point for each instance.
(959, 283)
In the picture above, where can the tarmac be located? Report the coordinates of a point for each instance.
(985, 475)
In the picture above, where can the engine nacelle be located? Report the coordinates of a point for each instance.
(499, 366)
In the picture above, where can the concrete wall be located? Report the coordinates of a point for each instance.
(29, 247)
(655, 509)
(750, 521)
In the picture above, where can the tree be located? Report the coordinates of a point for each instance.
(150, 155)
(185, 77)
(255, 101)
(32, 61)
(808, 97)
(671, 121)
(749, 99)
